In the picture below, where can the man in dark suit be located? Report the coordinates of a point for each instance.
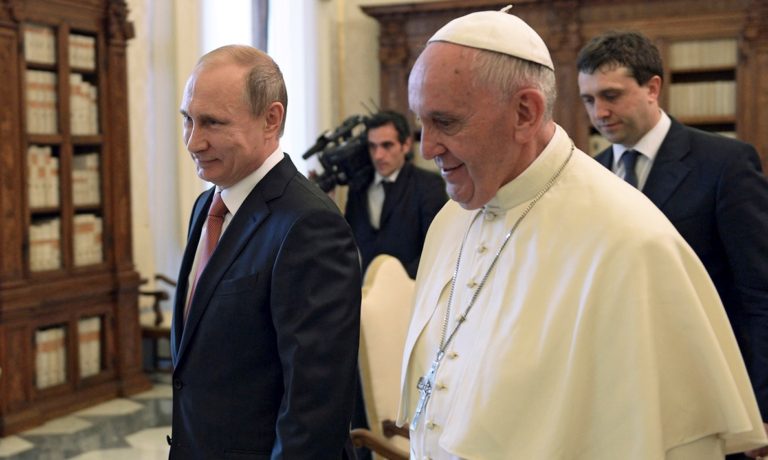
(265, 334)
(709, 186)
(391, 213)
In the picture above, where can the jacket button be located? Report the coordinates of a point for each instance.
(170, 441)
(177, 384)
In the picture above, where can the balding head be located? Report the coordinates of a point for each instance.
(264, 82)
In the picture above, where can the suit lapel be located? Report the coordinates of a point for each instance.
(251, 215)
(248, 218)
(669, 168)
(395, 194)
(363, 214)
(605, 158)
(195, 229)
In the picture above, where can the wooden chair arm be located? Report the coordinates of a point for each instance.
(389, 429)
(365, 438)
(165, 279)
(159, 296)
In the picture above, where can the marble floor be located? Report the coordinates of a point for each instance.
(122, 429)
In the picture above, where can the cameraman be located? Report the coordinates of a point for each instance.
(391, 213)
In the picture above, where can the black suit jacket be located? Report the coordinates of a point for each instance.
(712, 189)
(265, 365)
(408, 209)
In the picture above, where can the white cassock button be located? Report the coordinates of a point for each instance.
(481, 249)
(431, 425)
(440, 386)
(452, 355)
(471, 284)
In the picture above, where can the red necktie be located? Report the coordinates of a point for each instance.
(208, 240)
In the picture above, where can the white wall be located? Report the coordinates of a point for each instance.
(225, 23)
(296, 42)
(138, 64)
(163, 180)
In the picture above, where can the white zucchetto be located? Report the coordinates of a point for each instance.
(496, 31)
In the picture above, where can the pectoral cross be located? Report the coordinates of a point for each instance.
(425, 385)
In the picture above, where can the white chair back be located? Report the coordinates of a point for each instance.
(386, 311)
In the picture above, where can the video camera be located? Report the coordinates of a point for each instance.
(343, 155)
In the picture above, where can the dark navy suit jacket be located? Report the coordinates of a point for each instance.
(414, 200)
(265, 365)
(713, 191)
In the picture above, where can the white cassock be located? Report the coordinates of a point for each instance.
(598, 334)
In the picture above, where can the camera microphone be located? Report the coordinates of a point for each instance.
(346, 127)
(320, 144)
(343, 131)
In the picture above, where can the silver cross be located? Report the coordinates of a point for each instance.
(425, 385)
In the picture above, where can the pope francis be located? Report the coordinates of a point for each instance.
(558, 313)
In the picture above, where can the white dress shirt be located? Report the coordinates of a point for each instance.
(376, 197)
(647, 147)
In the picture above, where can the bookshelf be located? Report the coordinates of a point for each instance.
(714, 51)
(701, 83)
(69, 330)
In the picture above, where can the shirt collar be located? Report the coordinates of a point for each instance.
(235, 195)
(391, 178)
(649, 144)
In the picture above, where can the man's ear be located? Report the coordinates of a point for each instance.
(654, 87)
(273, 118)
(408, 144)
(529, 107)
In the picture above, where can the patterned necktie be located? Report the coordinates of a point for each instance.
(208, 240)
(629, 159)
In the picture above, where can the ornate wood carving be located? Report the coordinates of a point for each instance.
(120, 29)
(12, 10)
(754, 54)
(562, 33)
(393, 46)
(756, 24)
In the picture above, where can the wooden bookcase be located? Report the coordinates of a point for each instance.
(701, 83)
(566, 25)
(69, 329)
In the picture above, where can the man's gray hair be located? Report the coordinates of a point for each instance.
(264, 82)
(508, 74)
